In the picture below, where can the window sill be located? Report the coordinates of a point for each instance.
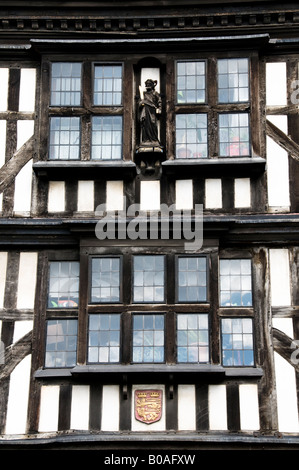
(61, 169)
(238, 166)
(186, 373)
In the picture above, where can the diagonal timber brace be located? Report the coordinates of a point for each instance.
(14, 354)
(12, 167)
(283, 140)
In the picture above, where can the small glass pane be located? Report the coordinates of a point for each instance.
(63, 284)
(148, 278)
(66, 84)
(64, 138)
(148, 338)
(235, 283)
(237, 342)
(61, 343)
(191, 82)
(108, 85)
(234, 135)
(192, 338)
(192, 279)
(104, 338)
(105, 280)
(233, 80)
(191, 136)
(106, 138)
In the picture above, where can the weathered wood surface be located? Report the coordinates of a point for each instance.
(14, 354)
(13, 166)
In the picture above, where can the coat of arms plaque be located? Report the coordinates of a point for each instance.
(148, 405)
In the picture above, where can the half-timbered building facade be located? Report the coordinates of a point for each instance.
(149, 224)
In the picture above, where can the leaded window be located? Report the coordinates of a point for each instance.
(63, 284)
(192, 338)
(191, 82)
(191, 135)
(233, 80)
(66, 84)
(64, 138)
(148, 278)
(212, 99)
(107, 85)
(192, 279)
(104, 338)
(106, 138)
(235, 283)
(148, 338)
(237, 342)
(61, 343)
(105, 279)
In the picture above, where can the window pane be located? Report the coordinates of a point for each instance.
(191, 136)
(63, 284)
(104, 338)
(191, 82)
(192, 279)
(192, 338)
(108, 85)
(233, 81)
(235, 283)
(148, 279)
(106, 138)
(66, 84)
(237, 342)
(61, 343)
(105, 280)
(148, 338)
(64, 138)
(234, 135)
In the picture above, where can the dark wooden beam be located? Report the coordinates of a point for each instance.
(282, 140)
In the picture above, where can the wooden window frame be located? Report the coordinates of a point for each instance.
(213, 108)
(85, 111)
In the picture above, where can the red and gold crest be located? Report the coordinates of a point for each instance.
(148, 405)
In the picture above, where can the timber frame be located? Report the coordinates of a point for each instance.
(135, 35)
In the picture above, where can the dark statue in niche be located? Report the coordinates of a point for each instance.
(150, 106)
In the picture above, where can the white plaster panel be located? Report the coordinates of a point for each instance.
(115, 196)
(150, 195)
(17, 407)
(276, 83)
(25, 130)
(2, 141)
(213, 193)
(21, 328)
(56, 196)
(278, 170)
(186, 408)
(80, 407)
(23, 190)
(85, 196)
(157, 426)
(249, 407)
(242, 192)
(3, 264)
(184, 194)
(285, 325)
(287, 407)
(27, 89)
(27, 280)
(110, 408)
(4, 88)
(217, 408)
(49, 408)
(280, 277)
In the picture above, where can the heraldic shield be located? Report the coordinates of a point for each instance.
(148, 405)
